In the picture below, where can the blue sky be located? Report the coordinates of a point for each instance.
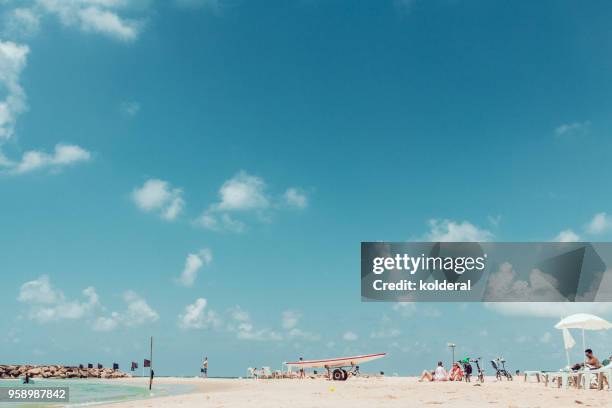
(204, 172)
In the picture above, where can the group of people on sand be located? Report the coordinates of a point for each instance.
(440, 374)
(456, 373)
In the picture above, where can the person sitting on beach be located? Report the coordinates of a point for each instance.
(592, 362)
(439, 374)
(456, 373)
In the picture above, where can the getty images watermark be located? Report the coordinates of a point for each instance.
(486, 271)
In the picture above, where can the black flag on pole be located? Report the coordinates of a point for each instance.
(89, 365)
(147, 363)
(134, 366)
(115, 366)
(100, 366)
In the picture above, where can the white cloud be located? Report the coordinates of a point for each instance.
(239, 314)
(98, 16)
(4, 161)
(550, 309)
(129, 108)
(219, 222)
(504, 284)
(21, 22)
(159, 196)
(13, 59)
(290, 319)
(245, 193)
(297, 333)
(295, 198)
(404, 309)
(246, 330)
(350, 336)
(138, 311)
(39, 291)
(193, 264)
(451, 231)
(196, 316)
(573, 128)
(567, 235)
(546, 337)
(494, 220)
(107, 22)
(242, 192)
(106, 323)
(385, 333)
(600, 223)
(63, 155)
(387, 328)
(47, 304)
(522, 339)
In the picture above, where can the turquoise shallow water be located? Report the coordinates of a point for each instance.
(91, 392)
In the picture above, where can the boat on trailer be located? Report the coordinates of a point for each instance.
(339, 365)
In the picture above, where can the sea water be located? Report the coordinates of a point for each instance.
(91, 392)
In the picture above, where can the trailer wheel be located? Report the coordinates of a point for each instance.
(344, 375)
(337, 375)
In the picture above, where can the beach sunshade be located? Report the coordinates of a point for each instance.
(568, 340)
(583, 321)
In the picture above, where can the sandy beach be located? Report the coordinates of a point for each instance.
(368, 392)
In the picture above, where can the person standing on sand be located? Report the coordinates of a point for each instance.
(204, 369)
(302, 372)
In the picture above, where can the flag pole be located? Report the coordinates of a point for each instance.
(151, 365)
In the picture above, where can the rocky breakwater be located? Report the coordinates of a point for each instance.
(58, 371)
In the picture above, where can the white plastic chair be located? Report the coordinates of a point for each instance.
(606, 371)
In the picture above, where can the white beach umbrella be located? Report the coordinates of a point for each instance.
(583, 321)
